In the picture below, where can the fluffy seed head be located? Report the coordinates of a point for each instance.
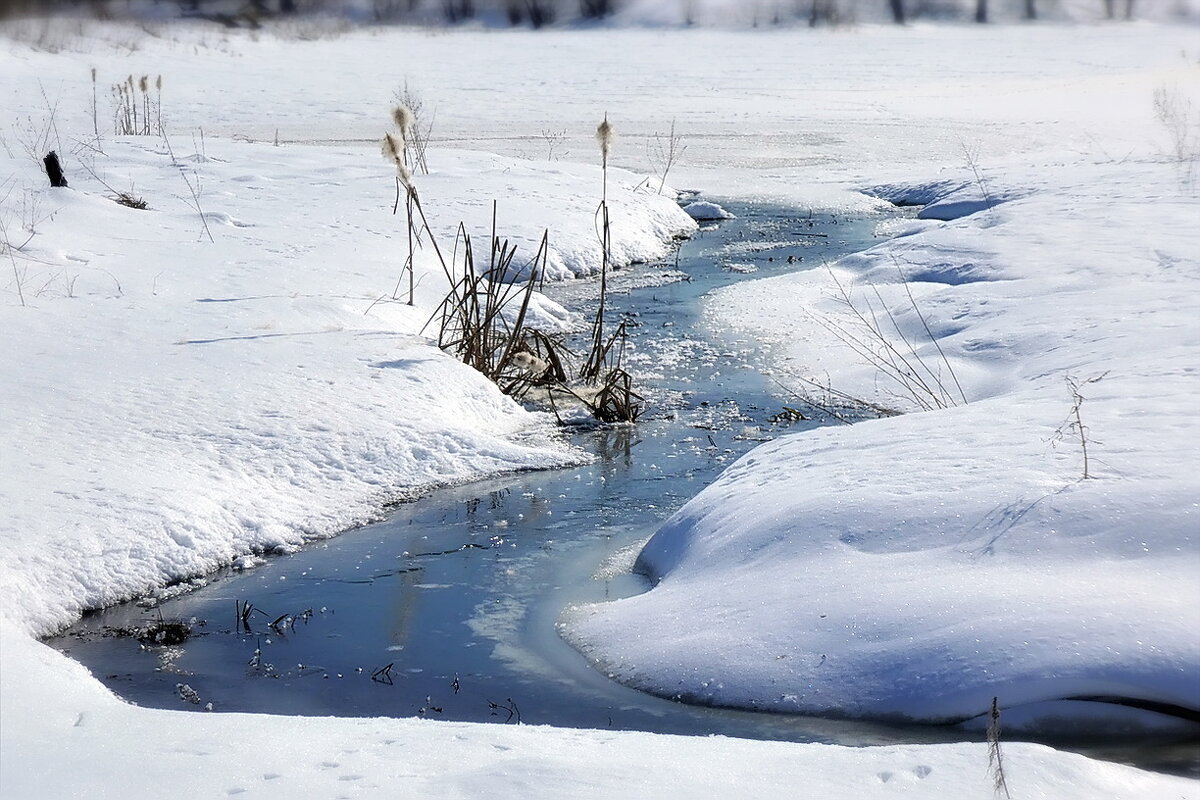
(158, 83)
(393, 153)
(604, 135)
(144, 84)
(391, 149)
(403, 116)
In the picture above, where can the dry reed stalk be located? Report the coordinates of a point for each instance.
(595, 362)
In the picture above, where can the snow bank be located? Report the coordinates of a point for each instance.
(917, 566)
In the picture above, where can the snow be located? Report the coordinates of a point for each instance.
(705, 211)
(103, 748)
(172, 404)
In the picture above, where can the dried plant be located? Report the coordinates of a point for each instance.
(194, 188)
(1074, 422)
(995, 757)
(8, 248)
(403, 119)
(835, 404)
(885, 346)
(482, 319)
(132, 96)
(1174, 112)
(554, 140)
(95, 109)
(595, 362)
(415, 122)
(605, 133)
(394, 153)
(665, 151)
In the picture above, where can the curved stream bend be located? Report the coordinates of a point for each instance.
(448, 608)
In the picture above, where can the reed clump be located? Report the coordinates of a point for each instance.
(484, 318)
(138, 106)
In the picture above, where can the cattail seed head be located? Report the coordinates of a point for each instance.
(403, 116)
(604, 135)
(93, 74)
(144, 84)
(158, 83)
(392, 150)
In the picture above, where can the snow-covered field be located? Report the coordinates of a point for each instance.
(170, 402)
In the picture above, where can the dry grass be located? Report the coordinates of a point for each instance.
(874, 334)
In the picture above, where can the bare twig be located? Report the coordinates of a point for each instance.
(995, 757)
(872, 341)
(666, 150)
(973, 163)
(1074, 422)
(193, 188)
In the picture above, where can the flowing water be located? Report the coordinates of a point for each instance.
(448, 608)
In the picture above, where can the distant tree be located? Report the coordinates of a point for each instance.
(897, 9)
(14, 8)
(595, 9)
(981, 11)
(541, 12)
(458, 10)
(1110, 10)
(820, 11)
(1030, 9)
(389, 9)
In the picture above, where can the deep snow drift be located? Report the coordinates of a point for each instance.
(170, 402)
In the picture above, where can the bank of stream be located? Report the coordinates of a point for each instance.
(447, 609)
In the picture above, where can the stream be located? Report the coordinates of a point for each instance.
(447, 609)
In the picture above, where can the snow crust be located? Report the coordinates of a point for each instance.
(169, 404)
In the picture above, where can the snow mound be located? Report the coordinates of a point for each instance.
(705, 211)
